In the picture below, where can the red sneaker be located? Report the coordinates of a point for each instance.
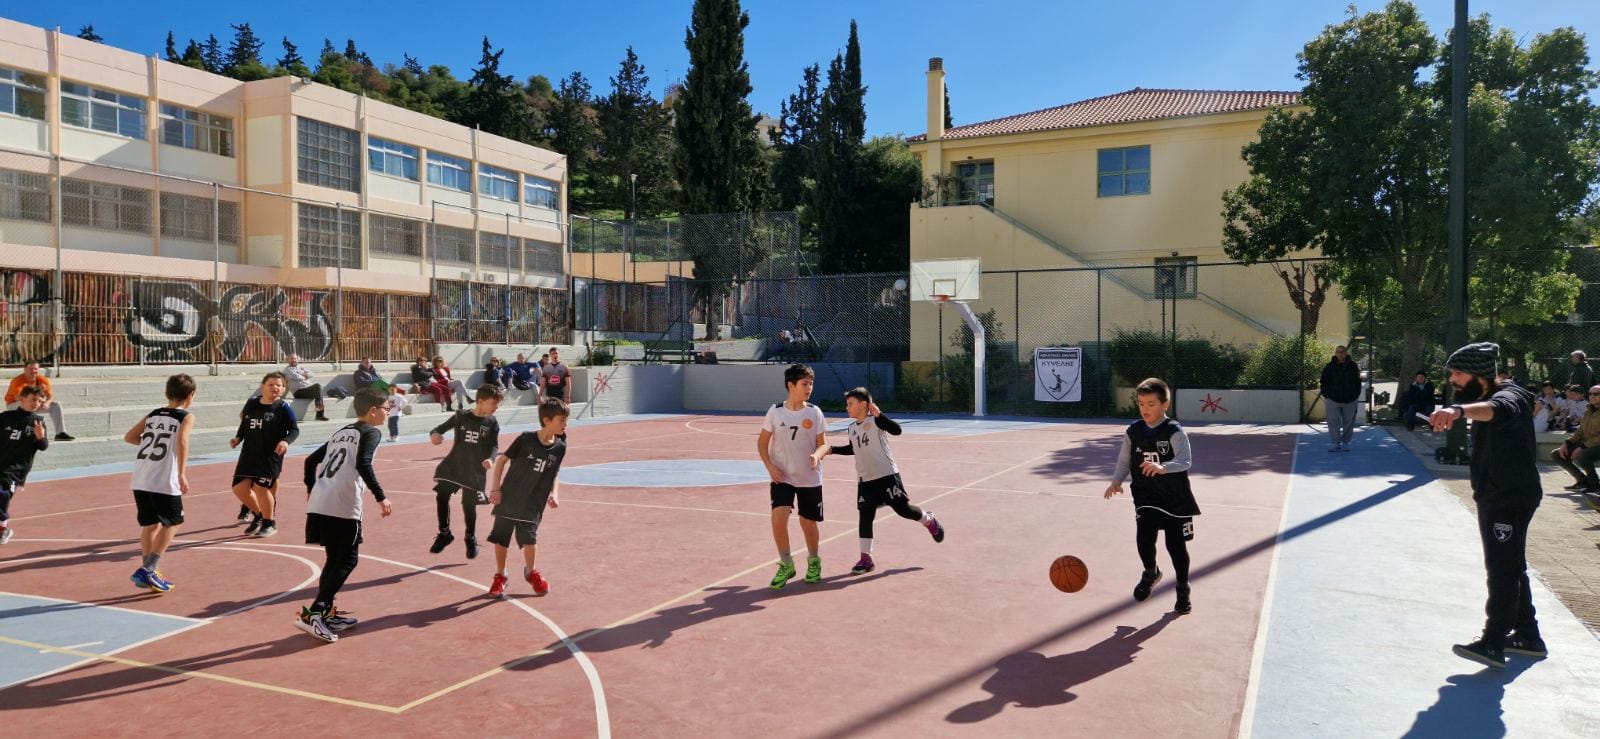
(540, 585)
(498, 587)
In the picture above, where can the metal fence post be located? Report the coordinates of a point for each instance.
(58, 290)
(1100, 343)
(388, 332)
(1016, 317)
(216, 267)
(338, 270)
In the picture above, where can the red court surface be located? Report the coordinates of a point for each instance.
(664, 594)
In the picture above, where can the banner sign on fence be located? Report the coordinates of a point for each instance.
(1057, 371)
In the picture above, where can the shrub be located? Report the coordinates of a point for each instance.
(1191, 361)
(1287, 361)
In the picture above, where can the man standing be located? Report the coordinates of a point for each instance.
(1580, 374)
(1341, 388)
(554, 378)
(32, 377)
(301, 387)
(1505, 487)
(1582, 450)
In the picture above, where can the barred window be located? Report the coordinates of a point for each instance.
(448, 171)
(496, 250)
(329, 155)
(538, 256)
(542, 192)
(390, 235)
(102, 206)
(1175, 277)
(391, 158)
(453, 244)
(497, 183)
(189, 217)
(198, 130)
(102, 110)
(22, 93)
(329, 240)
(24, 196)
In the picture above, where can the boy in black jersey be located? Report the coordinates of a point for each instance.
(267, 427)
(465, 467)
(21, 436)
(520, 497)
(1156, 447)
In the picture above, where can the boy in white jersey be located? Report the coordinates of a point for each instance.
(790, 434)
(337, 474)
(878, 477)
(160, 478)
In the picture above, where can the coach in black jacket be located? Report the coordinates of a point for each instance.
(1341, 388)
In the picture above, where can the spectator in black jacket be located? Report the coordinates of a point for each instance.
(1341, 391)
(1580, 374)
(367, 376)
(421, 375)
(1418, 398)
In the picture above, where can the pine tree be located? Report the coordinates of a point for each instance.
(634, 171)
(193, 56)
(212, 54)
(244, 55)
(495, 103)
(87, 33)
(410, 64)
(172, 49)
(575, 122)
(291, 62)
(949, 122)
(796, 139)
(851, 108)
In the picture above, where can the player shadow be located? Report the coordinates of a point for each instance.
(419, 619)
(226, 607)
(720, 602)
(1469, 704)
(65, 557)
(1029, 679)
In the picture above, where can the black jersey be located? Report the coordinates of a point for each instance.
(530, 477)
(477, 439)
(261, 427)
(18, 444)
(1168, 493)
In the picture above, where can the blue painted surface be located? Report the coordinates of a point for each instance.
(667, 473)
(82, 626)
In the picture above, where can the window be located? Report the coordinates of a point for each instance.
(193, 129)
(452, 244)
(189, 217)
(497, 250)
(107, 207)
(24, 196)
(540, 257)
(22, 93)
(102, 110)
(447, 171)
(541, 192)
(327, 240)
(497, 183)
(975, 182)
(391, 158)
(390, 235)
(329, 155)
(1175, 277)
(1124, 171)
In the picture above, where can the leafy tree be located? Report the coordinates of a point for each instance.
(291, 62)
(575, 122)
(634, 172)
(87, 33)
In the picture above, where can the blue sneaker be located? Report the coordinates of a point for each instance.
(140, 578)
(158, 584)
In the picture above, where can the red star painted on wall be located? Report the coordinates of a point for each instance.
(1212, 405)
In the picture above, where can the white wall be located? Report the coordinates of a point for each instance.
(24, 133)
(199, 165)
(732, 387)
(1255, 406)
(92, 239)
(264, 149)
(186, 249)
(103, 148)
(266, 251)
(631, 389)
(392, 188)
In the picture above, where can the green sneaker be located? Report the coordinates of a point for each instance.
(813, 569)
(785, 574)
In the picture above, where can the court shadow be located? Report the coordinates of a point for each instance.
(1216, 456)
(63, 607)
(1469, 704)
(655, 629)
(69, 556)
(1032, 680)
(420, 619)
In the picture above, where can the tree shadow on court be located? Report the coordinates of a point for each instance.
(1469, 704)
(1031, 680)
(654, 630)
(1219, 457)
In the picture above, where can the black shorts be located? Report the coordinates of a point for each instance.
(527, 532)
(332, 530)
(260, 482)
(784, 495)
(469, 496)
(158, 508)
(874, 494)
(1173, 525)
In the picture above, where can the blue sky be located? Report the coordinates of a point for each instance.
(1001, 57)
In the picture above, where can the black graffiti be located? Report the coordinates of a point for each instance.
(170, 320)
(27, 319)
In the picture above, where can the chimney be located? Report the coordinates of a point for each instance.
(935, 99)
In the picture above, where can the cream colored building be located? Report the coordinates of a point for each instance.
(309, 178)
(1133, 179)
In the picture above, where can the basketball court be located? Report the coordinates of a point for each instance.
(660, 621)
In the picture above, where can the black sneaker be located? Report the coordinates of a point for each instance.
(63, 436)
(1146, 581)
(321, 416)
(244, 515)
(1574, 487)
(1528, 646)
(441, 541)
(472, 548)
(255, 525)
(1482, 653)
(1183, 606)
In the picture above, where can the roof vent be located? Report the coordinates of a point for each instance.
(935, 64)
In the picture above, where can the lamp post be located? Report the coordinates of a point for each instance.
(633, 217)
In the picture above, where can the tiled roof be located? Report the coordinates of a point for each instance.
(1138, 104)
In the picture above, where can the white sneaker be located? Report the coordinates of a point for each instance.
(5, 535)
(312, 624)
(265, 531)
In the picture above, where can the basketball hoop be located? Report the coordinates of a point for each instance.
(939, 298)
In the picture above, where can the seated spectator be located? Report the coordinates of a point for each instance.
(1544, 408)
(367, 376)
(421, 376)
(445, 387)
(1417, 398)
(520, 373)
(301, 386)
(544, 361)
(32, 377)
(1581, 450)
(785, 340)
(494, 374)
(1572, 410)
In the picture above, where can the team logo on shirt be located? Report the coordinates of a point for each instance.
(806, 424)
(268, 417)
(1502, 532)
(1165, 447)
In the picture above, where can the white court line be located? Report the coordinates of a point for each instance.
(191, 621)
(75, 646)
(194, 623)
(128, 504)
(1258, 652)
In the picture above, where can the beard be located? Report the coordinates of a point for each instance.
(1475, 390)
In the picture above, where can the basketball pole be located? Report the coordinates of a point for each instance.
(979, 387)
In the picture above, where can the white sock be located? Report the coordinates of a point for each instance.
(785, 558)
(866, 545)
(927, 517)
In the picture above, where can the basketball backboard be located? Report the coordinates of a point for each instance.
(959, 279)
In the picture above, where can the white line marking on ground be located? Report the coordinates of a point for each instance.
(1258, 652)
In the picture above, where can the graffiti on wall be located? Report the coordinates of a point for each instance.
(171, 320)
(27, 317)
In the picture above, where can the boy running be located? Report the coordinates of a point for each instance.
(267, 427)
(336, 475)
(1162, 502)
(878, 477)
(160, 479)
(790, 434)
(520, 497)
(464, 468)
(21, 436)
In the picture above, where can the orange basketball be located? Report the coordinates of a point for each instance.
(1069, 574)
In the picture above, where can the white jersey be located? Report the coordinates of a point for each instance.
(155, 466)
(794, 439)
(870, 446)
(338, 488)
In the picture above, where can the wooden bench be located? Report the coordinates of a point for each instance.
(658, 351)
